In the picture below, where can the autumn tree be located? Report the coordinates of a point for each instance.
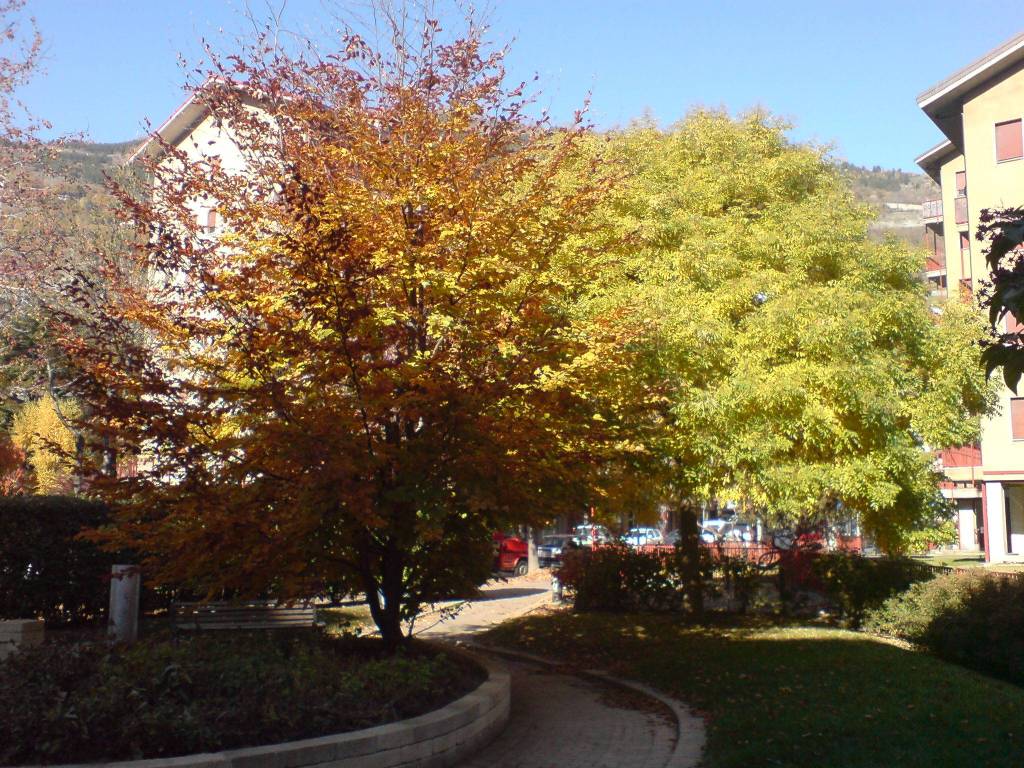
(51, 225)
(13, 475)
(799, 367)
(359, 378)
(1002, 232)
(40, 434)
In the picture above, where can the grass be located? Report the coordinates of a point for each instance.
(796, 696)
(969, 560)
(954, 559)
(354, 618)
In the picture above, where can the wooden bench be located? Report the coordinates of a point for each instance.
(254, 614)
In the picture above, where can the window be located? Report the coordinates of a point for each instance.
(960, 210)
(961, 182)
(965, 255)
(1017, 417)
(211, 220)
(1009, 141)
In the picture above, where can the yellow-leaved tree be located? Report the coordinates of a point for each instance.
(40, 431)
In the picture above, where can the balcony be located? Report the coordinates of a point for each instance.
(961, 456)
(931, 210)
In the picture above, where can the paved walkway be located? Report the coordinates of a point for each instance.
(499, 601)
(562, 721)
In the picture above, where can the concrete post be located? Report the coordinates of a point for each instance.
(123, 619)
(532, 562)
(19, 633)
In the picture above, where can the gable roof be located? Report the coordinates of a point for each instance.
(185, 118)
(175, 128)
(943, 102)
(931, 161)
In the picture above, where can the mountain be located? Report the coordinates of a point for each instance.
(896, 197)
(85, 162)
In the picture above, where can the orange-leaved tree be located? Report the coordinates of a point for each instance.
(369, 367)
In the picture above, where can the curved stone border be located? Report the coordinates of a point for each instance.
(690, 735)
(438, 739)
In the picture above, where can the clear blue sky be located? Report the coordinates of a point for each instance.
(846, 73)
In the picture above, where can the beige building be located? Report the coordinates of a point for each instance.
(979, 165)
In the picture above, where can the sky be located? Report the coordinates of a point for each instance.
(844, 73)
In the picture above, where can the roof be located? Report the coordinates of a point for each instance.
(931, 161)
(181, 122)
(176, 127)
(943, 101)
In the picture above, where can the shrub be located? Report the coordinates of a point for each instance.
(45, 572)
(742, 578)
(857, 583)
(160, 698)
(619, 578)
(940, 535)
(972, 618)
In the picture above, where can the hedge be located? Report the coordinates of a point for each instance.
(974, 619)
(162, 697)
(45, 571)
(856, 583)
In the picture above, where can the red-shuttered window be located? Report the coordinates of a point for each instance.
(960, 209)
(961, 182)
(1009, 141)
(1017, 417)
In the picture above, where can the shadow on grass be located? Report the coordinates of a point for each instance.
(794, 696)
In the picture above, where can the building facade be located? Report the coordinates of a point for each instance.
(979, 165)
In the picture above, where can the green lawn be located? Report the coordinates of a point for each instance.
(954, 559)
(969, 560)
(797, 696)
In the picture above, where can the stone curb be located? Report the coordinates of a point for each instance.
(438, 739)
(690, 736)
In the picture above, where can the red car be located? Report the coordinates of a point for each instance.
(511, 554)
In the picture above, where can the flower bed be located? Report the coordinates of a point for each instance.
(175, 696)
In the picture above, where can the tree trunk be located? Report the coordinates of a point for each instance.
(385, 607)
(384, 588)
(689, 551)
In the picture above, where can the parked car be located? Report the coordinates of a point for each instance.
(714, 530)
(740, 532)
(642, 537)
(511, 554)
(549, 551)
(590, 534)
(723, 531)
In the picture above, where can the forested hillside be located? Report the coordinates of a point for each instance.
(893, 193)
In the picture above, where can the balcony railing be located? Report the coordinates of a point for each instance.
(931, 210)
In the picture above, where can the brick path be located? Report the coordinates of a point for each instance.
(559, 720)
(562, 721)
(499, 601)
